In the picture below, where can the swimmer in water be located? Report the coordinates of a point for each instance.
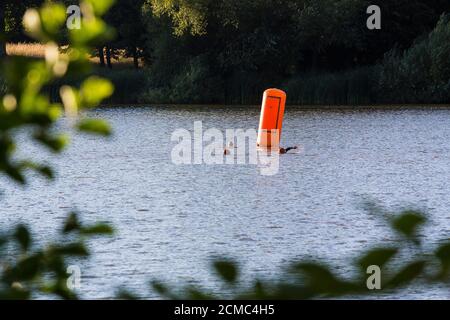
(227, 151)
(286, 150)
(282, 150)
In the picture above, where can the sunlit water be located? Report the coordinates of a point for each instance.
(172, 220)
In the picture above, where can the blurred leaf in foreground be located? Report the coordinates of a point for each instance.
(95, 126)
(408, 223)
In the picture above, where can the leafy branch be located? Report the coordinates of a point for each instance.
(24, 104)
(311, 279)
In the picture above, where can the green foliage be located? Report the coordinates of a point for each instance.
(407, 274)
(24, 104)
(443, 254)
(95, 126)
(29, 269)
(408, 223)
(312, 279)
(320, 51)
(378, 256)
(94, 90)
(127, 83)
(52, 17)
(345, 88)
(226, 270)
(229, 51)
(22, 236)
(41, 270)
(13, 13)
(421, 73)
(194, 84)
(100, 7)
(187, 15)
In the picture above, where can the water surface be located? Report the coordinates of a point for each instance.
(171, 220)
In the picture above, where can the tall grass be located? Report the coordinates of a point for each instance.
(128, 83)
(354, 87)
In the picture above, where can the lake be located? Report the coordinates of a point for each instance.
(171, 220)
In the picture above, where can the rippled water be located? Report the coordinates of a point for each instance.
(171, 220)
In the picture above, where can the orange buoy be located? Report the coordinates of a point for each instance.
(271, 121)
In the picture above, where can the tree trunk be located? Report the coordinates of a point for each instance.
(2, 29)
(135, 58)
(101, 55)
(108, 57)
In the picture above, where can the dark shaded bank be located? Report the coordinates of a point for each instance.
(417, 75)
(326, 108)
(229, 52)
(365, 86)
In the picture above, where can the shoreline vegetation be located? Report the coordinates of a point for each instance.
(336, 107)
(417, 75)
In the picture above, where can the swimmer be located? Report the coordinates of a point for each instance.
(227, 151)
(286, 150)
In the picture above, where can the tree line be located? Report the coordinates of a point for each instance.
(227, 51)
(320, 51)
